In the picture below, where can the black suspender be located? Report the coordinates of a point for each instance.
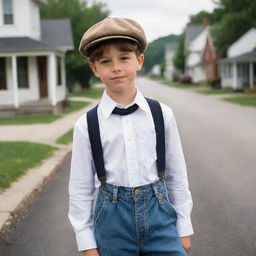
(157, 115)
(96, 145)
(94, 136)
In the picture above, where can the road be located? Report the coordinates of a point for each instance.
(219, 143)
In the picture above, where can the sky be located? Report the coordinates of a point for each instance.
(158, 17)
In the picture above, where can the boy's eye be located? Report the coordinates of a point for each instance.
(104, 62)
(124, 58)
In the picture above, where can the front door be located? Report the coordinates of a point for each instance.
(42, 75)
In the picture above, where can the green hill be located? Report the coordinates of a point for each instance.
(155, 51)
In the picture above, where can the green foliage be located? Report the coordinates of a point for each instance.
(155, 52)
(238, 17)
(66, 138)
(91, 93)
(17, 157)
(43, 118)
(82, 17)
(179, 58)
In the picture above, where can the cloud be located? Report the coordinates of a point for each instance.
(158, 17)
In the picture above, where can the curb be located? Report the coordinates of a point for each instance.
(13, 198)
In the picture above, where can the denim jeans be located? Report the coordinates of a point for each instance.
(136, 221)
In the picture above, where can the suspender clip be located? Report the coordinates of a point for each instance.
(102, 181)
(161, 175)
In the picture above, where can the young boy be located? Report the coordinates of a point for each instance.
(129, 147)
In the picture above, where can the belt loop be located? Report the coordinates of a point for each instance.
(158, 195)
(115, 191)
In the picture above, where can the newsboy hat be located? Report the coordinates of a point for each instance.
(110, 28)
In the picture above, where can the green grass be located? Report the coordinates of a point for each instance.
(66, 138)
(184, 86)
(245, 101)
(91, 93)
(215, 91)
(44, 118)
(17, 157)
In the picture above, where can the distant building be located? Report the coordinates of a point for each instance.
(156, 70)
(32, 58)
(238, 70)
(210, 59)
(195, 40)
(170, 50)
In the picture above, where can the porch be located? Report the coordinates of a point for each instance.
(239, 73)
(31, 77)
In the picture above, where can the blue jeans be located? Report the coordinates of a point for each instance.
(136, 221)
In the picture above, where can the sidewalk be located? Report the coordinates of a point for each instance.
(14, 197)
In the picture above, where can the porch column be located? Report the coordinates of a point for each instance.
(251, 75)
(15, 81)
(234, 76)
(63, 71)
(53, 77)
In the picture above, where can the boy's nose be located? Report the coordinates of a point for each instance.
(116, 66)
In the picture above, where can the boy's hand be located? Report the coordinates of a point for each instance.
(91, 252)
(186, 243)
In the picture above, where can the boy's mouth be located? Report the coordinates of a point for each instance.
(116, 77)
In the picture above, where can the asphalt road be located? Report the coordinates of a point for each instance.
(219, 143)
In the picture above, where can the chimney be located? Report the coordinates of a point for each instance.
(205, 22)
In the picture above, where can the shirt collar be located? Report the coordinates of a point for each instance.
(107, 104)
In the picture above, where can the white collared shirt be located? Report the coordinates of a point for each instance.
(129, 151)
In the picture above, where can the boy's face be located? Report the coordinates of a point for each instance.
(117, 69)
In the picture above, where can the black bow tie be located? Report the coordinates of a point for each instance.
(125, 111)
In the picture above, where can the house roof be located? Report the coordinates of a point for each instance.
(56, 34)
(246, 57)
(171, 47)
(191, 32)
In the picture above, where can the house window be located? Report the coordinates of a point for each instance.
(22, 67)
(59, 70)
(2, 74)
(8, 13)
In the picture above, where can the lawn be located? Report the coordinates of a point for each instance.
(184, 86)
(216, 91)
(91, 93)
(44, 118)
(245, 101)
(66, 138)
(17, 157)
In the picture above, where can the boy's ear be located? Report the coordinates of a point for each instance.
(93, 68)
(140, 62)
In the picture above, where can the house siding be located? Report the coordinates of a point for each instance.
(26, 22)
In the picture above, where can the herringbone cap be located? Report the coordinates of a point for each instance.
(110, 28)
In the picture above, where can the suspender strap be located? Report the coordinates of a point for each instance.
(157, 114)
(94, 136)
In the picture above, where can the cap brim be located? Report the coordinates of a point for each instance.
(84, 50)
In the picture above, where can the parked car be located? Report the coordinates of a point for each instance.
(185, 79)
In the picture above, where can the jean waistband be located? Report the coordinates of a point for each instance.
(114, 191)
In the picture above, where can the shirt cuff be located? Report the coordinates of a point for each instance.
(85, 240)
(184, 227)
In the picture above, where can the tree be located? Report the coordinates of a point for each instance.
(179, 58)
(82, 17)
(238, 17)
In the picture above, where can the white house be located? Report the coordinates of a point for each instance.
(32, 56)
(170, 50)
(238, 70)
(194, 54)
(156, 70)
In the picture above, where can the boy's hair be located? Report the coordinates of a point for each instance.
(96, 51)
